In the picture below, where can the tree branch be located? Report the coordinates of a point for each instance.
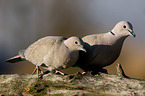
(52, 84)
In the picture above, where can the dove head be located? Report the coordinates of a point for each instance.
(74, 43)
(123, 28)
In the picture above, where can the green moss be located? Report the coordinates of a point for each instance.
(40, 87)
(37, 87)
(68, 87)
(55, 85)
(62, 94)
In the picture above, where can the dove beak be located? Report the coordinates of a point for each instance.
(83, 49)
(132, 33)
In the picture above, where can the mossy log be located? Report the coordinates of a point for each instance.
(69, 85)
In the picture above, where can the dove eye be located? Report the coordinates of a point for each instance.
(124, 26)
(76, 42)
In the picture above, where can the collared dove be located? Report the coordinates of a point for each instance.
(51, 52)
(103, 49)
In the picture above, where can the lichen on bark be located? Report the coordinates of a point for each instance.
(78, 84)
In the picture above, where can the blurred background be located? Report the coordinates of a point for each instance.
(24, 21)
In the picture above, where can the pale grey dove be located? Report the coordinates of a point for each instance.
(51, 52)
(103, 49)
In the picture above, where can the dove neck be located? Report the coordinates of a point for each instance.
(114, 39)
(112, 33)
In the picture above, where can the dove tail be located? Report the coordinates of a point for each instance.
(15, 59)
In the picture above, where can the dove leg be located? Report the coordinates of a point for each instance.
(103, 70)
(98, 71)
(46, 72)
(59, 72)
(37, 69)
(53, 71)
(34, 70)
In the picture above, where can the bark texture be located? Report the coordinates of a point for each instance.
(69, 85)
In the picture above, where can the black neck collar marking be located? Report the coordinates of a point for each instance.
(112, 33)
(66, 46)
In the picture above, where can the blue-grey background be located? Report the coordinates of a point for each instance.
(24, 21)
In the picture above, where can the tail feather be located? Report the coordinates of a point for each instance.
(15, 59)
